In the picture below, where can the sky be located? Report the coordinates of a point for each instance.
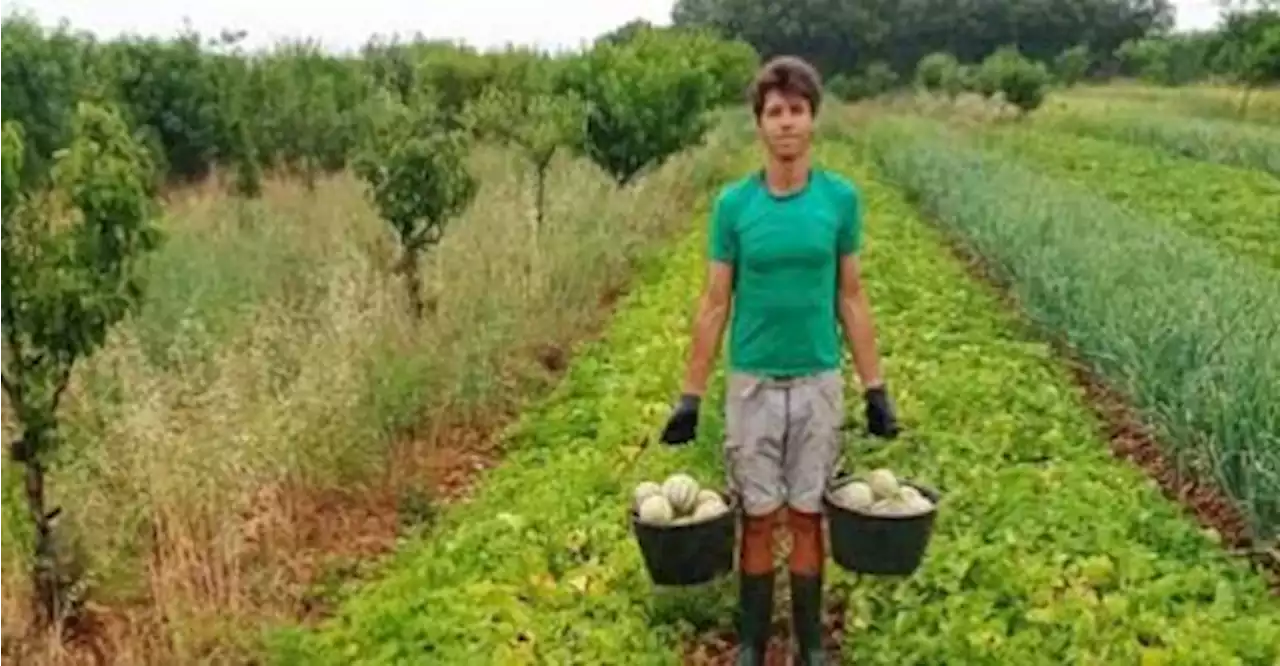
(345, 25)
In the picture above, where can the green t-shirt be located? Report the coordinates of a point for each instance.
(785, 252)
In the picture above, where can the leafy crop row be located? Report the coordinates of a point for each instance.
(1227, 142)
(1236, 208)
(1028, 567)
(540, 567)
(1191, 334)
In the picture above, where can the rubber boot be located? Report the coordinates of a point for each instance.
(755, 607)
(806, 618)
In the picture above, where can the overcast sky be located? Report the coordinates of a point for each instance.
(346, 24)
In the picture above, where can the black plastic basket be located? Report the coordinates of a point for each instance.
(689, 554)
(879, 545)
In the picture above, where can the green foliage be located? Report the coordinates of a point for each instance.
(1189, 337)
(1023, 82)
(1230, 142)
(1233, 208)
(418, 179)
(646, 98)
(1166, 60)
(1072, 64)
(839, 37)
(70, 257)
(939, 73)
(876, 79)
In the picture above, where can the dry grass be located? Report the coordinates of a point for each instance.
(253, 420)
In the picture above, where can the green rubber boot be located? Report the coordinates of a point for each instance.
(755, 607)
(806, 618)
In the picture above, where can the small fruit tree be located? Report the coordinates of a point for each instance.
(418, 180)
(647, 98)
(70, 255)
(532, 119)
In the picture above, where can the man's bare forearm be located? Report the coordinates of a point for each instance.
(860, 333)
(708, 330)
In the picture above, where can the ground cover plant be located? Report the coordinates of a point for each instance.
(540, 567)
(1184, 329)
(1235, 208)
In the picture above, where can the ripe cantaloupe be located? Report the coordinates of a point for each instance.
(681, 490)
(656, 510)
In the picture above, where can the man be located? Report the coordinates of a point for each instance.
(783, 252)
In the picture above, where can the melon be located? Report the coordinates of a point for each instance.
(681, 490)
(883, 483)
(855, 496)
(710, 509)
(656, 510)
(645, 490)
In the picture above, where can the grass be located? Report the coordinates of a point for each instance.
(1048, 549)
(273, 371)
(1232, 207)
(1192, 335)
(1230, 142)
(1207, 101)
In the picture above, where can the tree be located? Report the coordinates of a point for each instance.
(418, 180)
(645, 98)
(939, 73)
(538, 123)
(838, 37)
(1022, 81)
(1072, 64)
(1247, 49)
(70, 257)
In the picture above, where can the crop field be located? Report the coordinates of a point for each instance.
(1027, 569)
(366, 371)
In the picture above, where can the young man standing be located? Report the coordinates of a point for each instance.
(783, 252)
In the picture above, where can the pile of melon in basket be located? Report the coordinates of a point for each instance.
(881, 494)
(678, 500)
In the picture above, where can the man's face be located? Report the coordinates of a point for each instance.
(786, 125)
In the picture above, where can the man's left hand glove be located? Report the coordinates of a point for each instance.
(881, 421)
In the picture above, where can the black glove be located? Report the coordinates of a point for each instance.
(682, 427)
(880, 419)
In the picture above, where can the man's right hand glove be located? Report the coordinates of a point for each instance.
(682, 427)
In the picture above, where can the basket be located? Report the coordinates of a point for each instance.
(878, 545)
(683, 555)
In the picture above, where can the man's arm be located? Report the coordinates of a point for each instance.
(855, 319)
(708, 327)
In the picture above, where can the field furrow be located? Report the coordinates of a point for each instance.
(1048, 549)
(1236, 208)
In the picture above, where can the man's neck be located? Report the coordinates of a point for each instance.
(784, 177)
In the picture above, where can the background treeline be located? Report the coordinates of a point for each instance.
(870, 46)
(198, 102)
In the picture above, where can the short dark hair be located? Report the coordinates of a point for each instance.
(789, 75)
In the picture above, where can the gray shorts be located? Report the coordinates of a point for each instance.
(782, 439)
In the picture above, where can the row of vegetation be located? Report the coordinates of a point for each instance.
(540, 565)
(1190, 336)
(140, 340)
(199, 102)
(871, 47)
